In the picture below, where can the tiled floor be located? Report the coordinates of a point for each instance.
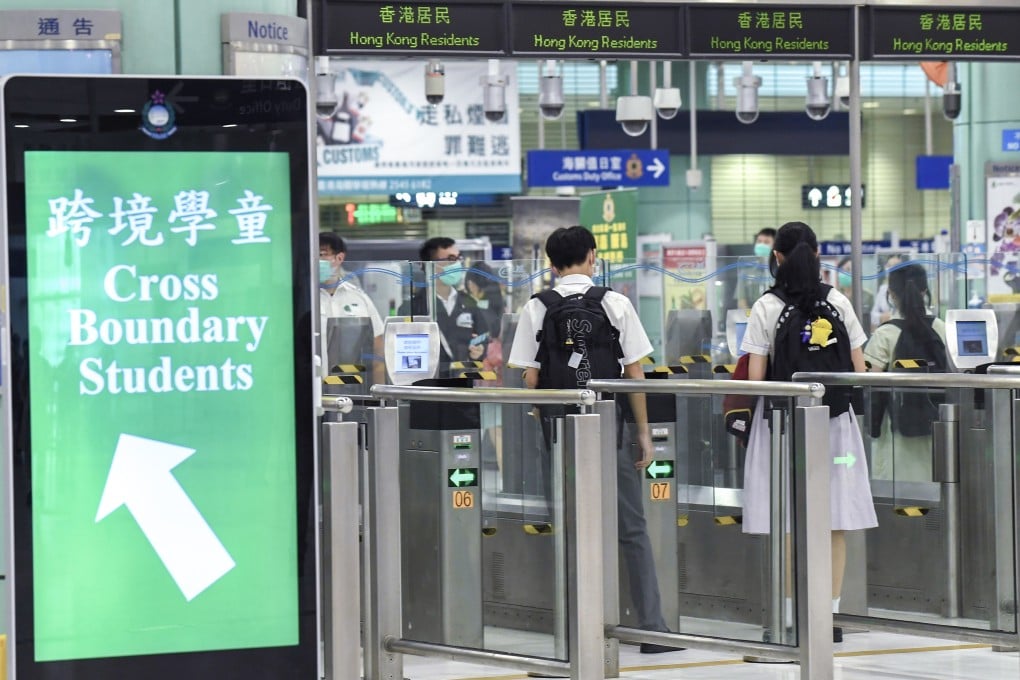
(863, 656)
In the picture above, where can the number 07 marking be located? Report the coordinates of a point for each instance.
(659, 491)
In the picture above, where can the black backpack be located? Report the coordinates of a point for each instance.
(577, 341)
(912, 412)
(814, 341)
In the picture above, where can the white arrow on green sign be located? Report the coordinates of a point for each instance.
(463, 477)
(659, 469)
(140, 479)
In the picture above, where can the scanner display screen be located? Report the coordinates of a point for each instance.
(972, 338)
(412, 353)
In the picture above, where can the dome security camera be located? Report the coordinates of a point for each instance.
(817, 104)
(494, 100)
(326, 101)
(550, 97)
(634, 113)
(435, 82)
(747, 86)
(667, 102)
(952, 101)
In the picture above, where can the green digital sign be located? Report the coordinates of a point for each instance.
(767, 31)
(557, 29)
(942, 32)
(160, 310)
(659, 469)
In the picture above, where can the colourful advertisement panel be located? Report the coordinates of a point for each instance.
(379, 135)
(160, 310)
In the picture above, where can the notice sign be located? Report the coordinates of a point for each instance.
(757, 31)
(413, 28)
(553, 30)
(160, 312)
(943, 32)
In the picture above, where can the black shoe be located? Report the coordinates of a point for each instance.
(837, 634)
(652, 648)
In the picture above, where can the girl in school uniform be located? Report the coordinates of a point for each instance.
(795, 266)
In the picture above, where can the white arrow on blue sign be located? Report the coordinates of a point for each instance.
(599, 168)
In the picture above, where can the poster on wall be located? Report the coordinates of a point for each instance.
(611, 216)
(534, 218)
(687, 284)
(377, 134)
(1002, 201)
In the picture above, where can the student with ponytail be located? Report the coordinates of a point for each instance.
(825, 318)
(902, 450)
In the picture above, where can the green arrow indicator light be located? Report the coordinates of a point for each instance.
(849, 459)
(659, 469)
(461, 477)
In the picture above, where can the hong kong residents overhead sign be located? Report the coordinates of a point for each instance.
(160, 308)
(383, 137)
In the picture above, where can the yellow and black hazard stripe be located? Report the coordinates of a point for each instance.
(645, 361)
(728, 520)
(683, 520)
(1011, 351)
(911, 511)
(726, 369)
(465, 364)
(343, 380)
(695, 359)
(478, 375)
(539, 529)
(348, 368)
(909, 364)
(669, 370)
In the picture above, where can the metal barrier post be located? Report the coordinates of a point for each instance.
(1016, 519)
(813, 520)
(382, 545)
(606, 410)
(342, 595)
(946, 469)
(583, 472)
(779, 486)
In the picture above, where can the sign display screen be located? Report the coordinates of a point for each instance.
(158, 305)
(937, 32)
(740, 31)
(554, 30)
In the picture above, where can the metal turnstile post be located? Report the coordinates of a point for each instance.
(946, 471)
(586, 628)
(813, 520)
(606, 410)
(381, 543)
(342, 585)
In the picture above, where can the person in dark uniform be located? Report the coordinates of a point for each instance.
(463, 327)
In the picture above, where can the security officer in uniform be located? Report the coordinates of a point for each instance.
(463, 328)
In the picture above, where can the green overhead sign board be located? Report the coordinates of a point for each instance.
(160, 311)
(741, 31)
(935, 31)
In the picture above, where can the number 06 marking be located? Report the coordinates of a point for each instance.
(463, 500)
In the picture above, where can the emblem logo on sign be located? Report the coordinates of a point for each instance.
(608, 208)
(634, 167)
(158, 117)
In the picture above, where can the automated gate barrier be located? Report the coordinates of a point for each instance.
(384, 629)
(810, 514)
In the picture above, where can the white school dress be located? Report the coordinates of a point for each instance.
(849, 484)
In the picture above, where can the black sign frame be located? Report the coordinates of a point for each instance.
(880, 25)
(610, 37)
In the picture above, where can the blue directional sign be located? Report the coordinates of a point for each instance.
(599, 168)
(1011, 140)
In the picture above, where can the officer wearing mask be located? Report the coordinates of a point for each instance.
(753, 281)
(463, 329)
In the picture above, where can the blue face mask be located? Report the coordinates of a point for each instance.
(325, 271)
(844, 280)
(762, 249)
(452, 276)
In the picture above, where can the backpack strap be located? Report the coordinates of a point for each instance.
(548, 297)
(596, 293)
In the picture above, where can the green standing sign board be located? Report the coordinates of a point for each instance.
(160, 311)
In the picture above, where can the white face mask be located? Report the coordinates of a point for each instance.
(482, 304)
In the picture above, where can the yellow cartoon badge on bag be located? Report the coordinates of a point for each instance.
(818, 333)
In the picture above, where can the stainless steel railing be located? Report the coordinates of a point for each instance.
(481, 395)
(764, 388)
